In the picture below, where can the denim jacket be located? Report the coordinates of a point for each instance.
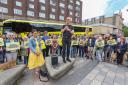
(32, 44)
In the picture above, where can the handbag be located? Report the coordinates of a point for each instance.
(44, 73)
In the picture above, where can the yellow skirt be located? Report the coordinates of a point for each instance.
(35, 61)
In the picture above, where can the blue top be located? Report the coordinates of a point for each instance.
(122, 47)
(45, 38)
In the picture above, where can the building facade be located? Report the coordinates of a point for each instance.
(55, 10)
(115, 20)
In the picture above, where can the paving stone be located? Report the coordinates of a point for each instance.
(85, 82)
(100, 78)
(91, 76)
(105, 83)
(95, 71)
(111, 74)
(96, 82)
(102, 73)
(126, 81)
(120, 81)
(126, 74)
(109, 80)
(100, 65)
(116, 84)
(105, 69)
(120, 75)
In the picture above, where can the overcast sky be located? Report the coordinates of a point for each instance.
(93, 8)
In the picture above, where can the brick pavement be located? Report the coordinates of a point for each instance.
(106, 74)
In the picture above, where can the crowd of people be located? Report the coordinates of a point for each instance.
(101, 47)
(104, 47)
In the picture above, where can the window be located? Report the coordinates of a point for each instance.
(31, 0)
(30, 13)
(62, 11)
(3, 10)
(52, 2)
(76, 20)
(71, 1)
(52, 16)
(53, 10)
(4, 1)
(78, 2)
(70, 6)
(62, 5)
(42, 7)
(31, 6)
(61, 17)
(42, 1)
(77, 14)
(18, 11)
(70, 12)
(78, 8)
(42, 15)
(18, 3)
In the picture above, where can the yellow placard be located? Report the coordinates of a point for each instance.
(1, 42)
(60, 41)
(100, 43)
(112, 42)
(81, 42)
(11, 46)
(74, 42)
(43, 44)
(48, 41)
(26, 44)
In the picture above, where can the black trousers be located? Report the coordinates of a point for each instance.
(66, 48)
(47, 50)
(120, 57)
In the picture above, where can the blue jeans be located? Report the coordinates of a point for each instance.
(81, 51)
(26, 60)
(73, 51)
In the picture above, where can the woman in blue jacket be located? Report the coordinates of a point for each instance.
(36, 59)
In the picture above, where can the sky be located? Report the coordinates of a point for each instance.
(95, 8)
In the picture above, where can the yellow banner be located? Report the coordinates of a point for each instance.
(12, 46)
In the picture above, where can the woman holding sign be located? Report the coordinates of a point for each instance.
(36, 59)
(99, 49)
(12, 45)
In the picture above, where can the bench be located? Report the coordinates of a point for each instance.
(10, 76)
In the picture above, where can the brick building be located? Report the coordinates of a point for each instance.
(115, 20)
(56, 10)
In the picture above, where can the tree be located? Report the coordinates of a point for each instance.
(125, 31)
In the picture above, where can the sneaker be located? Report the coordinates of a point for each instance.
(64, 60)
(69, 60)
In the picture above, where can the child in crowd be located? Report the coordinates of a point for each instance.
(54, 45)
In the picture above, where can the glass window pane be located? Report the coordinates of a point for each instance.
(18, 3)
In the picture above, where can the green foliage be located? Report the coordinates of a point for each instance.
(125, 31)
